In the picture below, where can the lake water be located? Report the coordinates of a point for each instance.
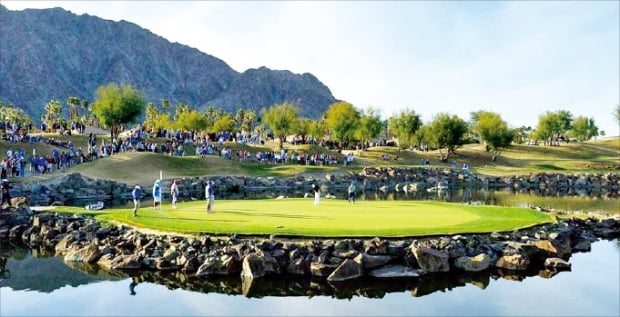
(45, 286)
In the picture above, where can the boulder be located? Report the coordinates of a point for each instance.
(321, 269)
(555, 248)
(224, 265)
(164, 264)
(477, 263)
(87, 254)
(395, 271)
(431, 260)
(557, 263)
(63, 245)
(349, 269)
(374, 261)
(258, 265)
(517, 262)
(19, 201)
(297, 267)
(582, 246)
(121, 262)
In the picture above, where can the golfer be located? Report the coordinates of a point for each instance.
(157, 194)
(136, 194)
(352, 192)
(210, 195)
(317, 194)
(174, 192)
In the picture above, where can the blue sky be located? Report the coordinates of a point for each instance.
(518, 58)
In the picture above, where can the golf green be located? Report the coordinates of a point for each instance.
(332, 218)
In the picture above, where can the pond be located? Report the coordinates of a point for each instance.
(39, 285)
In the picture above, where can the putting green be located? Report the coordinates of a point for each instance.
(332, 218)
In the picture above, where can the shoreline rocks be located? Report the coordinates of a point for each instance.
(84, 240)
(77, 190)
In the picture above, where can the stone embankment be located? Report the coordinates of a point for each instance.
(75, 189)
(84, 240)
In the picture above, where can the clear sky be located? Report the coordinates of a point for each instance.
(517, 58)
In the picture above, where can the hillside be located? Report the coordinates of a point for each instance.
(139, 167)
(53, 54)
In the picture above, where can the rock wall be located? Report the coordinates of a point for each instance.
(77, 190)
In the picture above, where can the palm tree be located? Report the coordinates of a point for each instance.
(74, 104)
(52, 112)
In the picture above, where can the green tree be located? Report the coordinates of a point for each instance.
(547, 127)
(522, 133)
(249, 121)
(53, 109)
(152, 116)
(117, 105)
(584, 128)
(493, 131)
(281, 119)
(74, 105)
(165, 105)
(240, 117)
(565, 120)
(13, 114)
(404, 126)
(343, 120)
(422, 136)
(447, 131)
(617, 114)
(318, 128)
(180, 109)
(225, 123)
(191, 121)
(552, 125)
(370, 125)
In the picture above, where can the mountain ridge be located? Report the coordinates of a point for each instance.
(53, 54)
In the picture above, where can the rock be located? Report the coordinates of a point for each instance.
(164, 264)
(321, 269)
(349, 269)
(121, 262)
(63, 245)
(376, 246)
(395, 271)
(517, 262)
(477, 263)
(257, 266)
(582, 246)
(191, 265)
(431, 260)
(297, 267)
(557, 263)
(374, 261)
(87, 254)
(345, 254)
(16, 231)
(19, 201)
(559, 248)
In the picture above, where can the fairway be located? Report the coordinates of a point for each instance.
(332, 218)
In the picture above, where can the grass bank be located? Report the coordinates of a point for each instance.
(333, 218)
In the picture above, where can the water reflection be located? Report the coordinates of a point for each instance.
(34, 271)
(590, 289)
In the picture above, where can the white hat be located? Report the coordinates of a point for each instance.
(137, 187)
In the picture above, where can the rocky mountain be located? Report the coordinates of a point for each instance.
(53, 54)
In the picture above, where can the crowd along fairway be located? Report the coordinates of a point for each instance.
(332, 218)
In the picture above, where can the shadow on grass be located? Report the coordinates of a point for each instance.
(254, 214)
(188, 219)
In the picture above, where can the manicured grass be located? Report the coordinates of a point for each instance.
(333, 218)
